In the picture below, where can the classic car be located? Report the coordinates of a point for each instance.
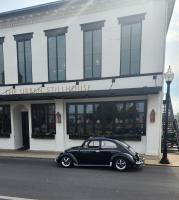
(101, 151)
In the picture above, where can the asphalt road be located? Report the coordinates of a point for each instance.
(43, 180)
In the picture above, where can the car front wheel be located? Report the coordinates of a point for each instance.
(66, 161)
(121, 164)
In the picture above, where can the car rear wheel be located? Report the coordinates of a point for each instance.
(66, 161)
(121, 164)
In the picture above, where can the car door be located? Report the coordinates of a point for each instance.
(89, 154)
(108, 148)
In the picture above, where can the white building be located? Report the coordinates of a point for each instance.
(77, 68)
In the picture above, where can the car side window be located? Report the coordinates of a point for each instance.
(108, 145)
(93, 144)
(85, 144)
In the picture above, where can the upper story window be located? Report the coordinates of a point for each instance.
(92, 49)
(1, 61)
(131, 34)
(24, 57)
(56, 54)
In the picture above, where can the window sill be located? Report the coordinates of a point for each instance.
(43, 136)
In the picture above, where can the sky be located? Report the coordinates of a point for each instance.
(172, 45)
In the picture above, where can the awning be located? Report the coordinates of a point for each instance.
(84, 94)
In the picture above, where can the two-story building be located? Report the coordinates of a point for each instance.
(79, 68)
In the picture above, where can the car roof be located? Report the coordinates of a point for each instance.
(100, 138)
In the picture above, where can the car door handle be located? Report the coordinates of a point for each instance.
(97, 151)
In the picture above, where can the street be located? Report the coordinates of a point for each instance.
(43, 180)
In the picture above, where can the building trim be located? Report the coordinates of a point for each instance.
(132, 18)
(32, 9)
(87, 94)
(56, 31)
(83, 80)
(23, 37)
(92, 25)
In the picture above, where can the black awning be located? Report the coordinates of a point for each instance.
(86, 94)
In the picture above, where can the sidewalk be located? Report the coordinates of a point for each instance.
(173, 158)
(149, 160)
(28, 154)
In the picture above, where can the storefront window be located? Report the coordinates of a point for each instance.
(5, 121)
(113, 119)
(43, 120)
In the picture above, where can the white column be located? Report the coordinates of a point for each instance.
(154, 130)
(60, 133)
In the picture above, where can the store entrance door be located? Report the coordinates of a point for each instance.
(25, 130)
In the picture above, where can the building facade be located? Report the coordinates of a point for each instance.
(74, 69)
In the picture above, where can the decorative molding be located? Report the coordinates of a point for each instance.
(70, 10)
(132, 19)
(92, 26)
(57, 31)
(22, 37)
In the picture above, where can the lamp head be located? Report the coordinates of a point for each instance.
(169, 75)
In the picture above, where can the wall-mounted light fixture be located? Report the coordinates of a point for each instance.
(58, 118)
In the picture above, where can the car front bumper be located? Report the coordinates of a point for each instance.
(140, 163)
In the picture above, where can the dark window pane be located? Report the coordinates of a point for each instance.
(1, 65)
(24, 61)
(140, 106)
(28, 60)
(88, 60)
(92, 53)
(109, 112)
(43, 119)
(97, 52)
(98, 119)
(97, 41)
(61, 43)
(89, 119)
(88, 42)
(21, 61)
(5, 120)
(80, 119)
(52, 56)
(96, 65)
(125, 49)
(106, 119)
(140, 118)
(71, 109)
(71, 124)
(88, 66)
(131, 48)
(135, 48)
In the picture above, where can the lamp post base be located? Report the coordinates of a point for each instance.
(164, 160)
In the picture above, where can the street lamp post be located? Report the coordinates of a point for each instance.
(169, 76)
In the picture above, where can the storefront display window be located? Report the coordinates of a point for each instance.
(43, 120)
(126, 120)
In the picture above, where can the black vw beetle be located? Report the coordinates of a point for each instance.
(101, 151)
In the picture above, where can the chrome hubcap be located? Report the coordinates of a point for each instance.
(121, 164)
(66, 161)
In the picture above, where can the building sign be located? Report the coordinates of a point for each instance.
(48, 89)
